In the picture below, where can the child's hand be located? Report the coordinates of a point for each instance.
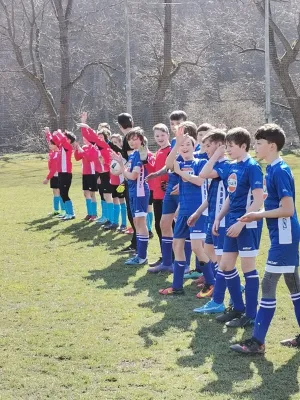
(175, 190)
(117, 157)
(46, 129)
(215, 228)
(179, 131)
(98, 181)
(252, 216)
(235, 229)
(45, 181)
(84, 117)
(150, 176)
(180, 139)
(193, 219)
(220, 151)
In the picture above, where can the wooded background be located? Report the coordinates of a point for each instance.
(62, 57)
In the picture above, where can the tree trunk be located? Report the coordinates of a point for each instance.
(65, 86)
(165, 78)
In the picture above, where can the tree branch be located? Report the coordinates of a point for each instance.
(87, 66)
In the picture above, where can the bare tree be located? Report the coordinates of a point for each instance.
(24, 22)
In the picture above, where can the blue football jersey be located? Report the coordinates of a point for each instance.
(244, 177)
(280, 183)
(217, 191)
(191, 196)
(137, 187)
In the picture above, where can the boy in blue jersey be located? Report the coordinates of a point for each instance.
(245, 194)
(283, 226)
(139, 193)
(192, 192)
(216, 169)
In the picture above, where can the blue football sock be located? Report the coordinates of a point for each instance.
(137, 243)
(233, 283)
(188, 251)
(220, 288)
(94, 208)
(166, 250)
(110, 211)
(56, 203)
(296, 301)
(263, 319)
(251, 292)
(116, 213)
(208, 273)
(69, 207)
(198, 266)
(214, 268)
(123, 214)
(149, 221)
(179, 267)
(62, 204)
(143, 245)
(88, 203)
(103, 209)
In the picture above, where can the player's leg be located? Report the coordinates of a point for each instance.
(157, 208)
(150, 215)
(181, 231)
(293, 284)
(139, 207)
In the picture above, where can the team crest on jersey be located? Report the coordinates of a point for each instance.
(265, 190)
(232, 183)
(189, 170)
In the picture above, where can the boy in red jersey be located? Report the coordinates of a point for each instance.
(53, 174)
(64, 167)
(162, 137)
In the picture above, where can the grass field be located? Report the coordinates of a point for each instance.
(77, 324)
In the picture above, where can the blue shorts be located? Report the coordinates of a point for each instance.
(283, 254)
(183, 231)
(139, 205)
(216, 241)
(247, 243)
(170, 204)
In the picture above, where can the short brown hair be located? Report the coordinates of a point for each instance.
(215, 135)
(117, 136)
(161, 127)
(104, 125)
(137, 131)
(105, 132)
(204, 127)
(239, 136)
(272, 133)
(190, 128)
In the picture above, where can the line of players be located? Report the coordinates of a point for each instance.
(216, 207)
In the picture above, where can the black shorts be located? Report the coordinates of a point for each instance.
(105, 186)
(115, 194)
(54, 182)
(151, 198)
(89, 182)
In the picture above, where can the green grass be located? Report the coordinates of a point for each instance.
(76, 324)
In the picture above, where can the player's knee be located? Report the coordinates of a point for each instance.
(292, 282)
(269, 284)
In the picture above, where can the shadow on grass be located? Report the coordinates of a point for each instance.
(111, 275)
(42, 224)
(232, 369)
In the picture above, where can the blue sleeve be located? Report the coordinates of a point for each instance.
(173, 142)
(255, 177)
(199, 166)
(283, 183)
(222, 169)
